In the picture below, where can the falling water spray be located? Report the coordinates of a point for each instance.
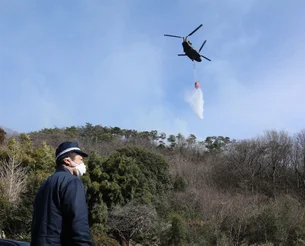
(195, 100)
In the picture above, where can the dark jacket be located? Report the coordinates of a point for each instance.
(60, 212)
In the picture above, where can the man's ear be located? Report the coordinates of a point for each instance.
(67, 161)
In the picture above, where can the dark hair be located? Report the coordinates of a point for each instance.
(60, 161)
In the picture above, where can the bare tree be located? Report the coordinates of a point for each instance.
(130, 220)
(298, 159)
(246, 160)
(12, 178)
(278, 148)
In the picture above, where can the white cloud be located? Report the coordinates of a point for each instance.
(36, 108)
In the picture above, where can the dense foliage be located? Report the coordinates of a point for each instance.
(153, 189)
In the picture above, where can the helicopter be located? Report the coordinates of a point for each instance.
(188, 48)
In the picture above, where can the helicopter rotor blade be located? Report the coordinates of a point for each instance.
(202, 45)
(195, 30)
(174, 36)
(205, 57)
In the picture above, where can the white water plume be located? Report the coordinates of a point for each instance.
(195, 100)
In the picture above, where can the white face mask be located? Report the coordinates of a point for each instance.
(80, 167)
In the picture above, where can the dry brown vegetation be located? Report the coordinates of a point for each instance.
(224, 192)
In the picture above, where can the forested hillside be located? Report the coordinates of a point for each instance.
(153, 189)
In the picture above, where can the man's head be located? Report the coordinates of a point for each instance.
(69, 154)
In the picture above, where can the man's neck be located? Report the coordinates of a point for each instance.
(73, 171)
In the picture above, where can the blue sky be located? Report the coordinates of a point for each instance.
(66, 63)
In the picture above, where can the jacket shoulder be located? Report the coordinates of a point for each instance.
(61, 179)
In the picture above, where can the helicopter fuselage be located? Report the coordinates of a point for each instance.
(190, 51)
(188, 48)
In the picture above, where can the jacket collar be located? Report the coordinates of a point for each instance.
(62, 169)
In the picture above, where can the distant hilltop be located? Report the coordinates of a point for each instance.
(9, 131)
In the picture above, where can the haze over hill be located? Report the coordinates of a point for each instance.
(8, 130)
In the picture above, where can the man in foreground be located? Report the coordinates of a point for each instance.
(60, 210)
